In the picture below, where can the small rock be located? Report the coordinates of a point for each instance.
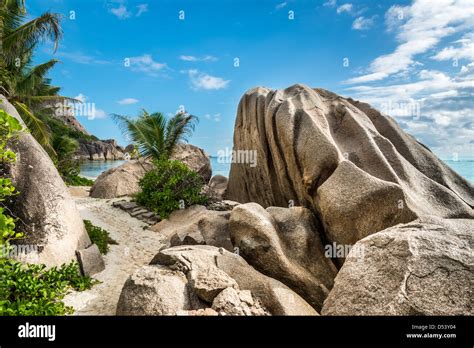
(209, 283)
(90, 260)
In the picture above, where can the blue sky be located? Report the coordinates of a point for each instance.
(412, 59)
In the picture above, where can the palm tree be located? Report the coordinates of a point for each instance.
(156, 136)
(24, 85)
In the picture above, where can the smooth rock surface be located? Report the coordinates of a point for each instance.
(195, 158)
(424, 267)
(196, 225)
(154, 290)
(90, 260)
(120, 181)
(303, 137)
(285, 244)
(44, 208)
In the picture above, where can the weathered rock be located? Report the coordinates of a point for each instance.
(154, 290)
(273, 295)
(100, 150)
(218, 187)
(208, 283)
(90, 260)
(44, 208)
(195, 225)
(229, 302)
(120, 181)
(285, 244)
(195, 158)
(304, 136)
(424, 267)
(123, 180)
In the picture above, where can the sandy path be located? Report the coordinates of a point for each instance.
(136, 248)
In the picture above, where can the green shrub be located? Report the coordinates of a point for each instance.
(34, 290)
(169, 185)
(99, 236)
(77, 180)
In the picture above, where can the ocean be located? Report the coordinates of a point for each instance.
(92, 169)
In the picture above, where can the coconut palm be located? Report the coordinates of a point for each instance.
(24, 85)
(156, 136)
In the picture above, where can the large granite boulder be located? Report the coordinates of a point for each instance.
(424, 267)
(195, 158)
(195, 225)
(123, 180)
(285, 244)
(120, 181)
(45, 210)
(350, 164)
(100, 150)
(210, 271)
(154, 290)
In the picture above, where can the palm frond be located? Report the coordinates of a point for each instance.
(38, 128)
(25, 37)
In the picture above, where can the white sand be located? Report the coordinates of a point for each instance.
(136, 248)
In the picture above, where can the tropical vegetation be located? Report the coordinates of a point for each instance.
(27, 87)
(170, 185)
(99, 236)
(154, 135)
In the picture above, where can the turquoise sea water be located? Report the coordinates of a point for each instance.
(92, 169)
(463, 168)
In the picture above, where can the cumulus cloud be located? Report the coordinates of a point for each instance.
(463, 50)
(281, 5)
(362, 23)
(202, 81)
(420, 27)
(330, 3)
(145, 63)
(344, 8)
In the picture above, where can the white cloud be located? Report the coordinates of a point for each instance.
(81, 58)
(96, 113)
(464, 51)
(362, 23)
(281, 5)
(420, 27)
(200, 80)
(120, 12)
(217, 117)
(81, 97)
(142, 8)
(344, 8)
(146, 64)
(128, 101)
(189, 58)
(330, 3)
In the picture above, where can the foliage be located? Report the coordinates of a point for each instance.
(23, 84)
(77, 180)
(154, 134)
(99, 236)
(168, 186)
(34, 290)
(9, 127)
(28, 289)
